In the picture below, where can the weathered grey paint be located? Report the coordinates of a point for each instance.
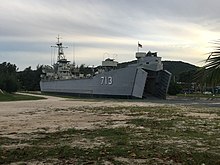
(139, 84)
(116, 82)
(129, 81)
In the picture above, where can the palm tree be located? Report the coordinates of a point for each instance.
(212, 67)
(209, 74)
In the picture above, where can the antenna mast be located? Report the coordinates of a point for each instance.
(74, 60)
(60, 49)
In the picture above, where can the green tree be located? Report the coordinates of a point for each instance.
(8, 78)
(30, 79)
(85, 70)
(174, 88)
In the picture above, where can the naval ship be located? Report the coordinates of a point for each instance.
(142, 79)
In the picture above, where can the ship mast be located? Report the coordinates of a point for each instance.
(60, 47)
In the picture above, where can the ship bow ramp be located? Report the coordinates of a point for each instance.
(139, 83)
(156, 83)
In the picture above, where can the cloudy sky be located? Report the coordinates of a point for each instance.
(95, 29)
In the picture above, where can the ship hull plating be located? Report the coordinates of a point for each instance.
(125, 82)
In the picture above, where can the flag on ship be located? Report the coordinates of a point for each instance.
(139, 45)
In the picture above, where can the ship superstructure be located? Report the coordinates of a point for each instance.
(144, 78)
(61, 69)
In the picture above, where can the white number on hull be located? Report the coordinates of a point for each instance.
(106, 80)
(110, 80)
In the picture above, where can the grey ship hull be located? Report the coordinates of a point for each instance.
(125, 82)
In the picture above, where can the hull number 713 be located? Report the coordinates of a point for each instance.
(106, 80)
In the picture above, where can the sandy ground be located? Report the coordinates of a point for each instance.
(56, 113)
(13, 108)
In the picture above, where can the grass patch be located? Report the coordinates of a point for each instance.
(152, 123)
(17, 97)
(8, 141)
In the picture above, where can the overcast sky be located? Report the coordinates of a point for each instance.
(179, 30)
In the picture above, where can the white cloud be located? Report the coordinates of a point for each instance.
(178, 30)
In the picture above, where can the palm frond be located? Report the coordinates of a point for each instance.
(211, 72)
